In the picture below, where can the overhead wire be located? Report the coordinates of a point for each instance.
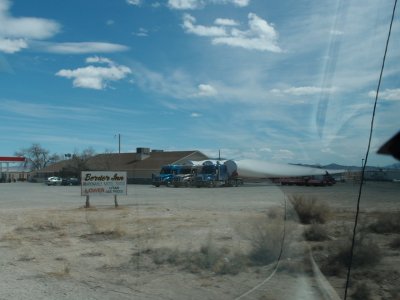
(367, 154)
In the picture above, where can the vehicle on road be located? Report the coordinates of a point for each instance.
(53, 180)
(70, 181)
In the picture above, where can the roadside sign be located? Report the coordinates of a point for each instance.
(98, 183)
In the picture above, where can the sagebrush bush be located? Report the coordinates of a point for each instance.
(265, 243)
(387, 223)
(395, 244)
(316, 232)
(366, 253)
(207, 258)
(310, 210)
(361, 292)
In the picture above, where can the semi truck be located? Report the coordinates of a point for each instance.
(170, 174)
(199, 174)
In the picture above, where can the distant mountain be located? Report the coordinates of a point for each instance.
(340, 167)
(393, 166)
(334, 166)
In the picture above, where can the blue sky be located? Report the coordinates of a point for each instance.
(285, 81)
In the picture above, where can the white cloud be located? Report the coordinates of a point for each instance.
(142, 32)
(241, 3)
(302, 91)
(336, 32)
(15, 32)
(185, 4)
(99, 59)
(206, 90)
(133, 2)
(94, 77)
(388, 94)
(260, 35)
(225, 22)
(190, 27)
(12, 45)
(197, 4)
(84, 47)
(283, 155)
(195, 115)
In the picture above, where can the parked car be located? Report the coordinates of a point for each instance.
(70, 181)
(53, 181)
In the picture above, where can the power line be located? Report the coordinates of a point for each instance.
(367, 153)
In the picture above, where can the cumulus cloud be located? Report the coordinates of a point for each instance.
(16, 32)
(185, 4)
(12, 45)
(84, 47)
(260, 36)
(388, 94)
(133, 2)
(190, 27)
(206, 90)
(225, 22)
(241, 3)
(95, 77)
(195, 115)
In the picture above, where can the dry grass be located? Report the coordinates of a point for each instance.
(208, 258)
(387, 223)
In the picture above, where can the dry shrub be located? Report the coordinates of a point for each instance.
(366, 253)
(65, 271)
(207, 258)
(275, 212)
(316, 232)
(387, 223)
(394, 293)
(361, 292)
(395, 244)
(265, 243)
(310, 210)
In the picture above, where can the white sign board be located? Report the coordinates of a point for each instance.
(103, 183)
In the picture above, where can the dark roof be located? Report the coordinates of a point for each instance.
(129, 161)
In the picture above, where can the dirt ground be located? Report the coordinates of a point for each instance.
(184, 243)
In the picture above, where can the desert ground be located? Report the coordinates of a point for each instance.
(192, 243)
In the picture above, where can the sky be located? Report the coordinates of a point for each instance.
(283, 81)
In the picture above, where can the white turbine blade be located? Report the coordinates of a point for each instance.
(260, 169)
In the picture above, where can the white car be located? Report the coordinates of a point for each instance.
(53, 181)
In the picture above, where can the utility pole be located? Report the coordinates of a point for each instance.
(119, 143)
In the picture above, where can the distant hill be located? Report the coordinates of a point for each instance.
(393, 166)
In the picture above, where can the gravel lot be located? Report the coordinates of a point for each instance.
(53, 248)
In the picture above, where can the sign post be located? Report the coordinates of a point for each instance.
(103, 183)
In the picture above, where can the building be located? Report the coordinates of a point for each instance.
(14, 170)
(139, 166)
